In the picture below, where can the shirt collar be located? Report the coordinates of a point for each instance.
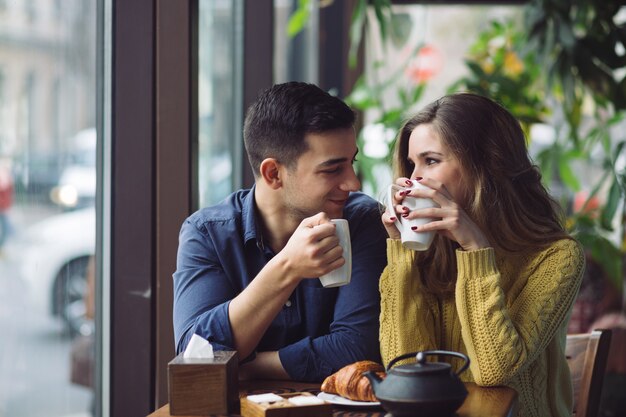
(252, 231)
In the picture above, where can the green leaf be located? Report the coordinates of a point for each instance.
(356, 30)
(401, 26)
(392, 117)
(299, 18)
(566, 36)
(618, 151)
(610, 208)
(418, 91)
(609, 257)
(567, 175)
(379, 10)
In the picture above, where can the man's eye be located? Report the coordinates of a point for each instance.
(331, 171)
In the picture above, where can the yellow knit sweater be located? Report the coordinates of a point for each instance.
(508, 314)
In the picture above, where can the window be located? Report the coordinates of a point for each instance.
(47, 218)
(219, 100)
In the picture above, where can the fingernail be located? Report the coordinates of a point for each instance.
(404, 192)
(409, 182)
(405, 215)
(393, 219)
(418, 178)
(405, 209)
(413, 227)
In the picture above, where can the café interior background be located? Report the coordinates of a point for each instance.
(48, 150)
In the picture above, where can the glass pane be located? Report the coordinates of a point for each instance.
(295, 58)
(47, 218)
(219, 114)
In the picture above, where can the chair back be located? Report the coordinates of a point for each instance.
(586, 356)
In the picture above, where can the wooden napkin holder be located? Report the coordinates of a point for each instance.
(200, 387)
(285, 408)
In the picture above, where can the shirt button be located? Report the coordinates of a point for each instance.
(288, 303)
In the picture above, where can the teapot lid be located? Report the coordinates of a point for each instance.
(421, 367)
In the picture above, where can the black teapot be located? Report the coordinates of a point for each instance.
(422, 388)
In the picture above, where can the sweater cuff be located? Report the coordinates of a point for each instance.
(476, 263)
(397, 253)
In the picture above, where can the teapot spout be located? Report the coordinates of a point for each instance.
(375, 380)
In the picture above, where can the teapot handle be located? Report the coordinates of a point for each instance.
(421, 358)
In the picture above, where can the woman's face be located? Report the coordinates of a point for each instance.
(430, 158)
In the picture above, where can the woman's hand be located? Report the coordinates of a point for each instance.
(391, 214)
(450, 221)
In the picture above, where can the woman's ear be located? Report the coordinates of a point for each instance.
(271, 172)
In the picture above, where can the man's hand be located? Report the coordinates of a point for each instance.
(313, 249)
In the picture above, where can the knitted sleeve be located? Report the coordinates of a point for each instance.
(502, 340)
(407, 319)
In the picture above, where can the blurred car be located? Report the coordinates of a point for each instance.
(76, 187)
(36, 174)
(52, 257)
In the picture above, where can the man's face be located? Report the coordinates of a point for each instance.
(323, 176)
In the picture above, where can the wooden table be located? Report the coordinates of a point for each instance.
(480, 401)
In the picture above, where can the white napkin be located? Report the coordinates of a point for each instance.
(265, 398)
(306, 400)
(198, 348)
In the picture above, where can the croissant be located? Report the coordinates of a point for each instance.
(350, 383)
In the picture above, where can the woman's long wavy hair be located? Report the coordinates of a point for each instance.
(506, 197)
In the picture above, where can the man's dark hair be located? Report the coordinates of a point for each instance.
(277, 122)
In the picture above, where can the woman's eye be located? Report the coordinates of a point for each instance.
(431, 161)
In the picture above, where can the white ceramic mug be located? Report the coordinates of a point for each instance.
(340, 276)
(411, 239)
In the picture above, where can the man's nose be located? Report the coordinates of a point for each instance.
(351, 183)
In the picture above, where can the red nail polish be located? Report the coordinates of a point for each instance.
(409, 182)
(413, 227)
(405, 215)
(405, 209)
(393, 219)
(418, 178)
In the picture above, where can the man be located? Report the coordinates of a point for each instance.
(247, 269)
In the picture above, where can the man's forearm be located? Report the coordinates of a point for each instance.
(266, 365)
(252, 311)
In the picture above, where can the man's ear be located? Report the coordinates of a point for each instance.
(271, 173)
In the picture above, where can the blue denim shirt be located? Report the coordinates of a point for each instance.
(319, 330)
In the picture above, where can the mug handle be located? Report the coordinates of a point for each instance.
(393, 188)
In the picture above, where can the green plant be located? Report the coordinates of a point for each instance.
(500, 68)
(521, 71)
(578, 44)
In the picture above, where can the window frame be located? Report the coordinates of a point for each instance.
(147, 121)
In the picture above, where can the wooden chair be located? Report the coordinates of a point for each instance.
(586, 356)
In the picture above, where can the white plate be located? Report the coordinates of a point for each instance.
(339, 400)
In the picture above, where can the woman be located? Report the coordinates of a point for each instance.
(500, 278)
